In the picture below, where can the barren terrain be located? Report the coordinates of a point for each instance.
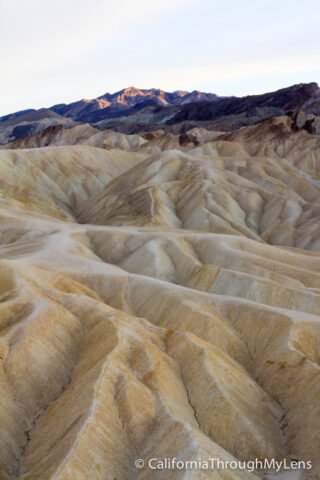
(160, 297)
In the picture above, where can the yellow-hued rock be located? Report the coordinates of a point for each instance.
(159, 302)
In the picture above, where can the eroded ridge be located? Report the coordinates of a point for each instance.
(154, 304)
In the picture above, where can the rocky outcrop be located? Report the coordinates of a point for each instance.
(312, 125)
(308, 122)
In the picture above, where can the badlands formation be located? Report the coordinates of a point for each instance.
(160, 298)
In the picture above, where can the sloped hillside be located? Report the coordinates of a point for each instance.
(160, 297)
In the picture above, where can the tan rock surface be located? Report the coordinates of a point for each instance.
(155, 305)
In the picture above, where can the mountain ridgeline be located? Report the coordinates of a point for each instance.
(133, 111)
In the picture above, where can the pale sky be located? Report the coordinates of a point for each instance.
(59, 51)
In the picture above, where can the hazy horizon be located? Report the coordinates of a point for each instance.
(58, 53)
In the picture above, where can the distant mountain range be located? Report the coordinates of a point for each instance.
(126, 102)
(133, 110)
